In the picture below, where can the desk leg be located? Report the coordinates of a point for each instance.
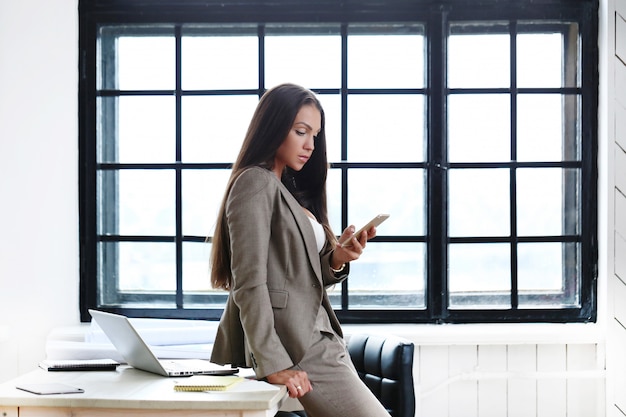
(8, 412)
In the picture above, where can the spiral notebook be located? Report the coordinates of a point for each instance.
(79, 365)
(207, 383)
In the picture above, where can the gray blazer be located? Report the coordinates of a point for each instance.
(279, 278)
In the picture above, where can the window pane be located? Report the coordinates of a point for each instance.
(144, 131)
(202, 192)
(479, 202)
(303, 55)
(386, 128)
(479, 55)
(145, 202)
(372, 191)
(196, 274)
(547, 127)
(146, 63)
(548, 54)
(213, 127)
(386, 57)
(480, 275)
(220, 62)
(333, 197)
(331, 103)
(142, 267)
(479, 128)
(548, 275)
(539, 58)
(547, 202)
(388, 276)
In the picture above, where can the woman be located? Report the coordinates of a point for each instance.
(274, 251)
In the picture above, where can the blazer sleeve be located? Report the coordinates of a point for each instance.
(328, 276)
(249, 214)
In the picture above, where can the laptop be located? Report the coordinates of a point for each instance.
(137, 353)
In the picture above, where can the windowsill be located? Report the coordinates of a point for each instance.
(68, 342)
(490, 334)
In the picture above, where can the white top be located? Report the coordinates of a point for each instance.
(320, 236)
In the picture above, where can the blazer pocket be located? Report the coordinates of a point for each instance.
(278, 298)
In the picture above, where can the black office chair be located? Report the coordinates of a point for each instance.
(385, 364)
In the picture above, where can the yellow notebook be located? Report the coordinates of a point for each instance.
(207, 383)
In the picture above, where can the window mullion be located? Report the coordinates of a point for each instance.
(589, 144)
(344, 148)
(261, 35)
(513, 169)
(179, 197)
(437, 288)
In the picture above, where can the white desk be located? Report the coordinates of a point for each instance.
(130, 392)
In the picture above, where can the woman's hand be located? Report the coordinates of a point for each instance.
(352, 248)
(297, 382)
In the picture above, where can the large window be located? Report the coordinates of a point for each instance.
(472, 124)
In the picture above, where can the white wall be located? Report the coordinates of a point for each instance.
(616, 147)
(458, 368)
(38, 177)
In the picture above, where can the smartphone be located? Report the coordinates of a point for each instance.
(375, 222)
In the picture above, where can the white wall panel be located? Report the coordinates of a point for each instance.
(620, 83)
(519, 380)
(620, 125)
(620, 219)
(522, 392)
(492, 392)
(618, 370)
(616, 348)
(620, 37)
(582, 393)
(433, 376)
(619, 294)
(620, 257)
(463, 362)
(551, 391)
(620, 170)
(615, 412)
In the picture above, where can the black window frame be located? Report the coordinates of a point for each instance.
(435, 15)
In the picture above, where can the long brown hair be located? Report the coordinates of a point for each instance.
(270, 125)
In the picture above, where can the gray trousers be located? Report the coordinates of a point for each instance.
(337, 389)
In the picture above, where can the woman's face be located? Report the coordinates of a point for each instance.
(298, 146)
